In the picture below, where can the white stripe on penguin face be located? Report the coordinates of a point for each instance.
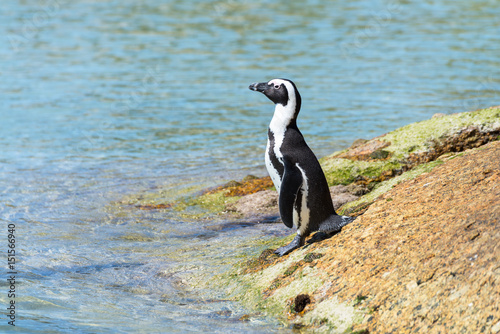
(287, 112)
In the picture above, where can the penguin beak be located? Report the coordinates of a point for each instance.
(259, 87)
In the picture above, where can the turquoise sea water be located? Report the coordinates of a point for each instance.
(101, 100)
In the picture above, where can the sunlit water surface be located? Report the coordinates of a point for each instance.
(105, 100)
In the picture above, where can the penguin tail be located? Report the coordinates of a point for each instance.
(334, 223)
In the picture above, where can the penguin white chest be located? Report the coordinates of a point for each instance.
(273, 172)
(274, 155)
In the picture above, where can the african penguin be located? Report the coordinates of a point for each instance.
(304, 197)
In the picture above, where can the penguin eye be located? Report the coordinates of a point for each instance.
(276, 86)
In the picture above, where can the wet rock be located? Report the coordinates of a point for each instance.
(366, 151)
(380, 155)
(223, 313)
(245, 317)
(249, 178)
(357, 189)
(267, 254)
(232, 184)
(344, 194)
(358, 142)
(260, 203)
(160, 206)
(249, 185)
(266, 258)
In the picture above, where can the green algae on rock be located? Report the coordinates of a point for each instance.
(411, 145)
(273, 289)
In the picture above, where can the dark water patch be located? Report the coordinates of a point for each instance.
(229, 226)
(92, 269)
(200, 235)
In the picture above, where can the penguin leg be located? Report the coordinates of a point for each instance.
(297, 242)
(334, 223)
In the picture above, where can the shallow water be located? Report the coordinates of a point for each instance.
(103, 100)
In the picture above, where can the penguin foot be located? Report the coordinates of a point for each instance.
(334, 223)
(297, 242)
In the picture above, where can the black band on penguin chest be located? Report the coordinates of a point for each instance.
(278, 165)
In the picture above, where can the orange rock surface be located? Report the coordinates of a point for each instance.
(427, 254)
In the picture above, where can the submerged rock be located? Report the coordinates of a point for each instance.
(369, 150)
(261, 203)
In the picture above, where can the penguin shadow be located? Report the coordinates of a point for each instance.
(320, 236)
(252, 221)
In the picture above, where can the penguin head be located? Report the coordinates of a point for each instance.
(280, 91)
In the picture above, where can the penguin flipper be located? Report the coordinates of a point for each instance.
(290, 186)
(334, 223)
